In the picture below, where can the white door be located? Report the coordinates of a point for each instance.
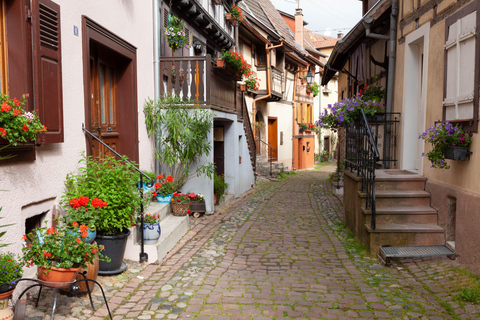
(420, 113)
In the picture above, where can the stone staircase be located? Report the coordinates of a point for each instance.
(263, 167)
(173, 228)
(404, 216)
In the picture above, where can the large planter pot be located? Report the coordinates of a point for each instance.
(164, 199)
(56, 277)
(114, 249)
(5, 311)
(456, 153)
(151, 233)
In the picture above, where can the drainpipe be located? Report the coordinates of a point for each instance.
(392, 38)
(156, 65)
(294, 113)
(269, 80)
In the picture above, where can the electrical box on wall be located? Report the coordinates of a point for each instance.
(218, 133)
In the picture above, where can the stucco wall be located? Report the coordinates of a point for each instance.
(283, 113)
(30, 188)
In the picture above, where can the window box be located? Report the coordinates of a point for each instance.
(456, 153)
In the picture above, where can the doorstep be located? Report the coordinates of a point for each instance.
(173, 229)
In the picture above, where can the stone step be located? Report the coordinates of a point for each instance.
(414, 234)
(401, 215)
(173, 228)
(397, 198)
(162, 209)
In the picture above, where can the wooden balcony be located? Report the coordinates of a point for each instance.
(277, 84)
(199, 80)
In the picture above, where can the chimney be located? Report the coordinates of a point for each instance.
(299, 26)
(340, 34)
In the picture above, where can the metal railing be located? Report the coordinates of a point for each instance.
(362, 156)
(270, 150)
(143, 254)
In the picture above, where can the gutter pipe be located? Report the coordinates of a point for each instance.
(269, 85)
(156, 66)
(391, 66)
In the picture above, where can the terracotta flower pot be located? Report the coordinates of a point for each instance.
(243, 87)
(220, 63)
(56, 277)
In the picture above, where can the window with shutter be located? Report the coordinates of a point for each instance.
(460, 101)
(48, 68)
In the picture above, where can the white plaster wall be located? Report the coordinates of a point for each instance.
(240, 177)
(283, 112)
(29, 188)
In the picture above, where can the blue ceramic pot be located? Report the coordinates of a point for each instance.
(151, 233)
(165, 199)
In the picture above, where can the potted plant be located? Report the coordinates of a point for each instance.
(114, 181)
(197, 204)
(314, 88)
(252, 83)
(219, 187)
(59, 252)
(83, 211)
(234, 15)
(373, 92)
(448, 142)
(164, 189)
(347, 111)
(10, 273)
(175, 33)
(146, 187)
(180, 204)
(151, 228)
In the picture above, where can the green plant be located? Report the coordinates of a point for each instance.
(237, 62)
(252, 83)
(175, 33)
(151, 175)
(112, 180)
(346, 111)
(60, 247)
(441, 136)
(315, 88)
(182, 132)
(164, 187)
(180, 198)
(307, 126)
(219, 185)
(83, 211)
(11, 269)
(149, 218)
(236, 13)
(373, 92)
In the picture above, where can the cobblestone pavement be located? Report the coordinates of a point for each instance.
(279, 252)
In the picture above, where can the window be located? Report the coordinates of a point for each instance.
(460, 103)
(261, 57)
(30, 58)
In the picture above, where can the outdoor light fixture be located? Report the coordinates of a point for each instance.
(197, 46)
(309, 77)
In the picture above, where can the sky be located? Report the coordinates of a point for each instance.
(324, 16)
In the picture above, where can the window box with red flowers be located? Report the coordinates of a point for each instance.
(252, 83)
(197, 204)
(234, 65)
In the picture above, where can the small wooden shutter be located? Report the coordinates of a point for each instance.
(48, 68)
(460, 71)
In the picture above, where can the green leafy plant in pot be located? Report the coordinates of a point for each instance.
(220, 187)
(115, 182)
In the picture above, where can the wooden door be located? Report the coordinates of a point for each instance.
(103, 101)
(272, 138)
(219, 157)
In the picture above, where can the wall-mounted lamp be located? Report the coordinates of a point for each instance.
(309, 77)
(197, 47)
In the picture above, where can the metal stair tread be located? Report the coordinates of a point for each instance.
(405, 227)
(388, 252)
(398, 194)
(401, 210)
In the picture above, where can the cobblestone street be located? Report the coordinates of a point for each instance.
(278, 252)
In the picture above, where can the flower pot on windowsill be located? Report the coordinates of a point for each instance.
(220, 63)
(230, 18)
(456, 152)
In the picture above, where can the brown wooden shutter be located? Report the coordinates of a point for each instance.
(48, 68)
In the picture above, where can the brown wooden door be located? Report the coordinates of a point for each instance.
(103, 101)
(272, 138)
(219, 157)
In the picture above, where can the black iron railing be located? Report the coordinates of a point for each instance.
(362, 156)
(143, 254)
(270, 152)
